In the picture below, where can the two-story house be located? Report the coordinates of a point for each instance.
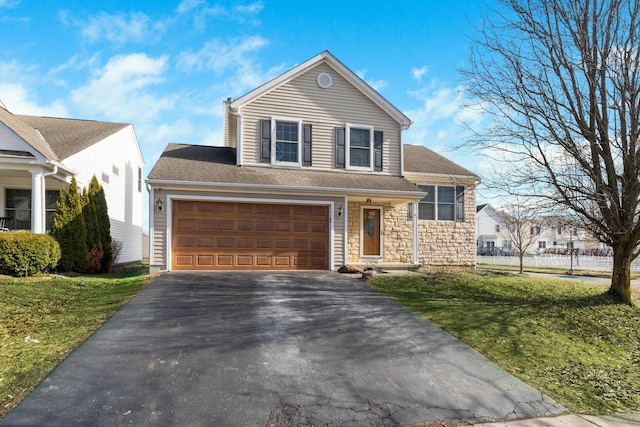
(312, 175)
(40, 155)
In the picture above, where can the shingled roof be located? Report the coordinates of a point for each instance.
(420, 159)
(70, 136)
(58, 138)
(216, 165)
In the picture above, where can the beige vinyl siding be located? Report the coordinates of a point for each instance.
(324, 109)
(159, 244)
(159, 233)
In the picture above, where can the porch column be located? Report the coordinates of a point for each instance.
(416, 234)
(37, 202)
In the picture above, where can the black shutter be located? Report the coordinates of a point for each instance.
(340, 133)
(306, 145)
(459, 204)
(265, 141)
(377, 150)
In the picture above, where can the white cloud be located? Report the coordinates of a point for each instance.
(200, 11)
(122, 89)
(188, 5)
(377, 85)
(17, 93)
(250, 9)
(120, 28)
(219, 56)
(417, 73)
(9, 3)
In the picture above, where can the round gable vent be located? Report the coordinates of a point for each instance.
(324, 80)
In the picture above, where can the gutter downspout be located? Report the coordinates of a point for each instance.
(151, 224)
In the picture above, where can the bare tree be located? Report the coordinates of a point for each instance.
(561, 79)
(522, 226)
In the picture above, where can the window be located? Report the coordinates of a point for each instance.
(427, 205)
(287, 139)
(115, 170)
(139, 180)
(105, 178)
(359, 146)
(559, 230)
(443, 203)
(542, 244)
(497, 228)
(18, 206)
(534, 231)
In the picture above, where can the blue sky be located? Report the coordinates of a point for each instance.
(166, 66)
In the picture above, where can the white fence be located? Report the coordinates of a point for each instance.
(579, 262)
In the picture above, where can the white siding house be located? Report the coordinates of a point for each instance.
(40, 155)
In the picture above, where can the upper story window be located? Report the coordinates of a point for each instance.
(359, 147)
(442, 203)
(285, 141)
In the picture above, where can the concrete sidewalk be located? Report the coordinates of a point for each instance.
(616, 420)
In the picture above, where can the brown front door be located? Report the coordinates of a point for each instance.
(371, 232)
(249, 236)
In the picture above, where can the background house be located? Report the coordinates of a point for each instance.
(40, 155)
(549, 234)
(312, 174)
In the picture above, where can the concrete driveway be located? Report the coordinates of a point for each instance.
(272, 349)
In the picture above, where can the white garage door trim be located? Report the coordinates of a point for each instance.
(172, 197)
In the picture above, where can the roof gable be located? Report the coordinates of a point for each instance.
(327, 58)
(32, 138)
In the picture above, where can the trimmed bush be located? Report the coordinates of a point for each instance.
(23, 253)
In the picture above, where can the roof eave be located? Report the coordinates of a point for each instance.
(260, 187)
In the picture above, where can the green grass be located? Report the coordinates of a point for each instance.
(572, 341)
(42, 319)
(552, 270)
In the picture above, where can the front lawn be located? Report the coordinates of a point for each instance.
(43, 318)
(571, 341)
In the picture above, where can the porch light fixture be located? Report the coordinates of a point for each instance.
(339, 212)
(159, 205)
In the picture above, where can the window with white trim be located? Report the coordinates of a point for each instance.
(286, 133)
(442, 203)
(359, 147)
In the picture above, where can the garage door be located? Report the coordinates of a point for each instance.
(249, 236)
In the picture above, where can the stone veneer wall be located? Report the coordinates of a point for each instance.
(441, 243)
(449, 243)
(397, 237)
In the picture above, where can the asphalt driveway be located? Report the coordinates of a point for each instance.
(272, 349)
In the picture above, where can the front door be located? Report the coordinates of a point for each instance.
(371, 227)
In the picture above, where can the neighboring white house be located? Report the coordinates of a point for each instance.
(40, 155)
(491, 238)
(549, 234)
